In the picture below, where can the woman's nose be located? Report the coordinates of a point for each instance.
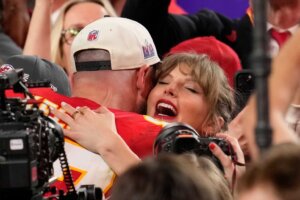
(171, 90)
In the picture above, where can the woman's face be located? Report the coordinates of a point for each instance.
(77, 17)
(177, 98)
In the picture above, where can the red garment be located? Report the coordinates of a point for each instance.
(280, 37)
(216, 50)
(138, 131)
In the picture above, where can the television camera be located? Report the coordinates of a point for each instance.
(30, 142)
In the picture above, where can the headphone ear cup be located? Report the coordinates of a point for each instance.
(168, 133)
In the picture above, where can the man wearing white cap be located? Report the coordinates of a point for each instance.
(112, 67)
(112, 59)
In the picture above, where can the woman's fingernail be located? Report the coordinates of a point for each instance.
(211, 146)
(63, 103)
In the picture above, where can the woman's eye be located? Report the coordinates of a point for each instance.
(162, 82)
(192, 90)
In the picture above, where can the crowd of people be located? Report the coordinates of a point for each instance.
(120, 71)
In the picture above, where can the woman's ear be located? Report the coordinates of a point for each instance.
(213, 126)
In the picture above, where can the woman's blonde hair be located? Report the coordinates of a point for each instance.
(213, 173)
(167, 176)
(56, 42)
(210, 76)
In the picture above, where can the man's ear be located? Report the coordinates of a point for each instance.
(71, 80)
(213, 126)
(144, 82)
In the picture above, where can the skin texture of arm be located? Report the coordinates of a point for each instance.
(96, 131)
(118, 5)
(38, 40)
(283, 83)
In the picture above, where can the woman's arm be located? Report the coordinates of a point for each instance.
(283, 83)
(38, 41)
(96, 131)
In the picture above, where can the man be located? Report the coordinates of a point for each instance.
(112, 64)
(138, 131)
(112, 60)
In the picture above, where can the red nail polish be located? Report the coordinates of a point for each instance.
(211, 146)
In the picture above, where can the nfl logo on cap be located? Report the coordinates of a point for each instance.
(93, 35)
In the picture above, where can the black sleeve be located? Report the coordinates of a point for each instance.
(146, 10)
(167, 30)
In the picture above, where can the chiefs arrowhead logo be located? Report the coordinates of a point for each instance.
(5, 68)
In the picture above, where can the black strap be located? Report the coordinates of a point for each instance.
(93, 65)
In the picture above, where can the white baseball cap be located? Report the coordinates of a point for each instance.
(129, 43)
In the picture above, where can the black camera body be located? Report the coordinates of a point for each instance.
(30, 142)
(181, 138)
(28, 148)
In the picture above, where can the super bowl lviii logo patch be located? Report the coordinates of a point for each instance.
(148, 50)
(93, 35)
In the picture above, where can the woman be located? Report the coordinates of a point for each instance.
(190, 89)
(54, 44)
(73, 17)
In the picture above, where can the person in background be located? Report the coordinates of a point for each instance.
(57, 39)
(214, 175)
(14, 22)
(39, 70)
(7, 46)
(168, 30)
(118, 5)
(283, 83)
(166, 177)
(274, 177)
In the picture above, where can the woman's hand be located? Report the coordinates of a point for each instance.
(233, 171)
(92, 130)
(97, 132)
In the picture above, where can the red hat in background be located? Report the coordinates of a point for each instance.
(216, 50)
